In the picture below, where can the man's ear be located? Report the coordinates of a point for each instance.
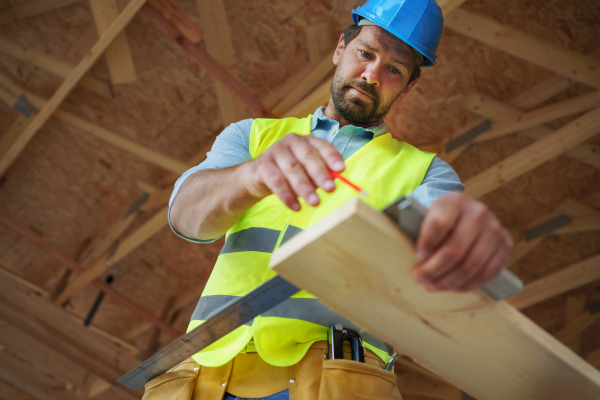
(338, 50)
(407, 89)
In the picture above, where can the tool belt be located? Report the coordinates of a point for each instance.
(248, 376)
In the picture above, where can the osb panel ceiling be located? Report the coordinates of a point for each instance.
(69, 187)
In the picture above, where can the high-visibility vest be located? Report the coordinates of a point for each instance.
(385, 168)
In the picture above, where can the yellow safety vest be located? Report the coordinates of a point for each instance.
(385, 168)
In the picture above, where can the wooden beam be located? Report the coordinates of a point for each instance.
(118, 55)
(572, 277)
(582, 224)
(568, 136)
(164, 316)
(574, 308)
(71, 264)
(448, 6)
(319, 97)
(130, 243)
(22, 281)
(207, 62)
(15, 129)
(54, 328)
(541, 92)
(577, 326)
(213, 19)
(542, 115)
(594, 358)
(105, 135)
(177, 19)
(53, 65)
(32, 9)
(69, 83)
(369, 260)
(563, 61)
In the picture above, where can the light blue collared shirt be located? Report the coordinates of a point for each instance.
(232, 147)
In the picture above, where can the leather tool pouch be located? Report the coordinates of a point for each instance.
(351, 380)
(176, 384)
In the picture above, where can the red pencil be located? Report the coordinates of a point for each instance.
(338, 175)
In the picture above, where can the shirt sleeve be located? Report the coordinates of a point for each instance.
(231, 147)
(439, 180)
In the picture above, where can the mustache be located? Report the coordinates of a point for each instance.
(363, 87)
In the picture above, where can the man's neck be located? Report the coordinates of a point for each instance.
(332, 113)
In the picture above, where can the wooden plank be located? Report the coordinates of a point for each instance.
(319, 97)
(22, 281)
(541, 92)
(542, 115)
(572, 277)
(594, 358)
(582, 224)
(466, 338)
(563, 61)
(157, 199)
(491, 108)
(448, 6)
(177, 19)
(219, 45)
(535, 154)
(53, 65)
(130, 243)
(574, 308)
(14, 131)
(105, 135)
(32, 9)
(69, 83)
(209, 63)
(118, 55)
(577, 326)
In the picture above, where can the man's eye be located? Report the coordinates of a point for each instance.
(365, 54)
(395, 71)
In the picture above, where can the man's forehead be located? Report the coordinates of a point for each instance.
(381, 39)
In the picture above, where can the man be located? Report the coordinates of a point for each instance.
(265, 180)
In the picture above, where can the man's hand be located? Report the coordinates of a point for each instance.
(461, 245)
(293, 167)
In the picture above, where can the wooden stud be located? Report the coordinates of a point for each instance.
(541, 92)
(177, 19)
(319, 97)
(448, 6)
(574, 308)
(219, 45)
(53, 65)
(69, 83)
(563, 61)
(594, 358)
(572, 277)
(118, 55)
(535, 154)
(577, 326)
(466, 338)
(582, 224)
(33, 8)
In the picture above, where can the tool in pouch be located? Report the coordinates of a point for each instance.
(407, 212)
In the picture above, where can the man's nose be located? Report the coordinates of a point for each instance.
(371, 73)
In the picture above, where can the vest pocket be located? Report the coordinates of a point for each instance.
(176, 384)
(351, 380)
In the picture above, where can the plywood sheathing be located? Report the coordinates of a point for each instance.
(70, 187)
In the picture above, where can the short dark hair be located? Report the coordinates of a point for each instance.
(351, 32)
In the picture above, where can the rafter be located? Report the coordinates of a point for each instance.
(53, 65)
(69, 83)
(535, 154)
(577, 326)
(566, 62)
(32, 9)
(118, 55)
(572, 277)
(574, 308)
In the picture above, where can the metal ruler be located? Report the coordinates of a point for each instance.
(230, 317)
(407, 212)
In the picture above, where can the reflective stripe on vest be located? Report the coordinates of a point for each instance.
(384, 167)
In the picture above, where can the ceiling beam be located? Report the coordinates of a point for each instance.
(118, 56)
(574, 308)
(53, 65)
(177, 19)
(594, 358)
(32, 9)
(564, 138)
(69, 83)
(576, 326)
(569, 278)
(547, 55)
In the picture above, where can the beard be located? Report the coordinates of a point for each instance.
(354, 109)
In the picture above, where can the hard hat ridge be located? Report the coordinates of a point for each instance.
(418, 23)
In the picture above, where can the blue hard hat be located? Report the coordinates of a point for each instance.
(418, 23)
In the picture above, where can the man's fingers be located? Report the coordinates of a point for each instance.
(437, 225)
(329, 153)
(493, 267)
(314, 164)
(278, 185)
(296, 176)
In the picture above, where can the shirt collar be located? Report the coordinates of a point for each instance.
(377, 130)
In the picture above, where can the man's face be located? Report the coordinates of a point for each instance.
(372, 73)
